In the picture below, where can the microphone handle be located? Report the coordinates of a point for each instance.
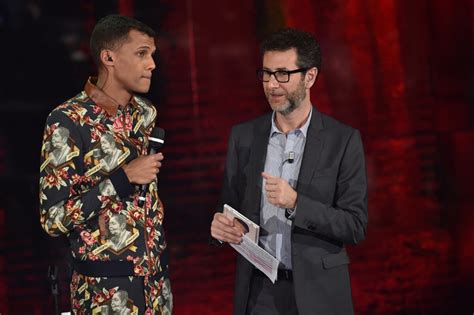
(144, 187)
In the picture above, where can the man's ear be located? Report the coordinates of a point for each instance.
(106, 57)
(311, 76)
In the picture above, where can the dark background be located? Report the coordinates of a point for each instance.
(399, 71)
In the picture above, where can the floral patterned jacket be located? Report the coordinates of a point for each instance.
(84, 192)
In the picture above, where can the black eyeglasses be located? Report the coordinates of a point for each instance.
(281, 76)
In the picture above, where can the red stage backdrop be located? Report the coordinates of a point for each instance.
(399, 71)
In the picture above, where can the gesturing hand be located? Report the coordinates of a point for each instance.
(279, 192)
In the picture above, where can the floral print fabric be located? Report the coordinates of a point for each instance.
(85, 195)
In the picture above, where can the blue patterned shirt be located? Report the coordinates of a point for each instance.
(275, 228)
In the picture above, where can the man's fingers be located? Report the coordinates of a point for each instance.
(267, 176)
(228, 230)
(220, 217)
(276, 189)
(223, 229)
(270, 180)
(271, 188)
(226, 234)
(158, 164)
(239, 227)
(224, 224)
(231, 238)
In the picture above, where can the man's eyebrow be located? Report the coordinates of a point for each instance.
(146, 47)
(277, 69)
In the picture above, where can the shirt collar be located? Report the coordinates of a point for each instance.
(303, 129)
(103, 100)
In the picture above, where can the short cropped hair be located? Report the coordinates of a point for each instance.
(307, 48)
(112, 31)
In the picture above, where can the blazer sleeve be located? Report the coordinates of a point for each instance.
(346, 219)
(229, 194)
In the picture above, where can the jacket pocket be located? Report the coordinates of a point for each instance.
(335, 260)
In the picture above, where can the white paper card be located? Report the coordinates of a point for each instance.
(258, 257)
(253, 229)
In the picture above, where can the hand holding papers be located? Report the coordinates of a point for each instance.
(249, 248)
(252, 229)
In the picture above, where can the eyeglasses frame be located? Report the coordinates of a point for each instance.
(288, 72)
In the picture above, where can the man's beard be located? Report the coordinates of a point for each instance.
(294, 100)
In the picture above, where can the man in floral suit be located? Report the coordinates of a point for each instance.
(94, 194)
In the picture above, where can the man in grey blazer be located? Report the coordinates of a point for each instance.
(301, 176)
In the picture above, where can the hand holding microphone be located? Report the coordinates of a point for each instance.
(144, 168)
(156, 141)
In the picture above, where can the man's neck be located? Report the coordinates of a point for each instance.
(113, 90)
(295, 119)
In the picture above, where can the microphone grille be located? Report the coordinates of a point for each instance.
(158, 133)
(157, 138)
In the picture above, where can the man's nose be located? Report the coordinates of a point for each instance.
(151, 65)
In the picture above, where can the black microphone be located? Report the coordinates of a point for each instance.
(156, 141)
(291, 157)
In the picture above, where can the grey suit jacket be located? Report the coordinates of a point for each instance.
(331, 208)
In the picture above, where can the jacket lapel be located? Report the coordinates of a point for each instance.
(258, 153)
(312, 151)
